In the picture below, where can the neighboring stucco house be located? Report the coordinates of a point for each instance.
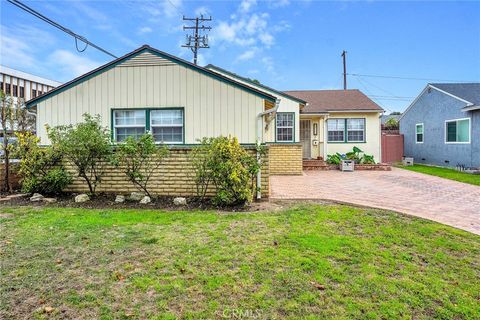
(148, 90)
(442, 125)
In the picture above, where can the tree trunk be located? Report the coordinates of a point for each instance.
(6, 168)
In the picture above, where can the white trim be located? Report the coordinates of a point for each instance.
(352, 111)
(423, 132)
(469, 131)
(471, 108)
(451, 95)
(285, 127)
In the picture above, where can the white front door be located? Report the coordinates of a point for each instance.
(305, 138)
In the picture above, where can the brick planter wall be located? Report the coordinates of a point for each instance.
(363, 167)
(285, 159)
(175, 177)
(14, 179)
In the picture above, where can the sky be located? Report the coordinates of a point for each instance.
(285, 44)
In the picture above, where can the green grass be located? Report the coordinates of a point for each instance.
(305, 262)
(446, 173)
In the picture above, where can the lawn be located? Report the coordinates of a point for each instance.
(446, 173)
(309, 261)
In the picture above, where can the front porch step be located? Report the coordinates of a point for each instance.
(315, 165)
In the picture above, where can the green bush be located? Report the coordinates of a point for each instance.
(86, 145)
(40, 168)
(140, 158)
(356, 155)
(222, 163)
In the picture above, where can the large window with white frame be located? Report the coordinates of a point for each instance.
(167, 125)
(285, 126)
(457, 131)
(356, 130)
(419, 133)
(128, 123)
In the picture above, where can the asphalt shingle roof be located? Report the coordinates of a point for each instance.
(334, 100)
(466, 91)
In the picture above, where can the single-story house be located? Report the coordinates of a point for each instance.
(180, 103)
(442, 125)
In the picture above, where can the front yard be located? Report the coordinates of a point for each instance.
(308, 261)
(446, 173)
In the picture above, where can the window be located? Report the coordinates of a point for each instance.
(336, 130)
(457, 131)
(7, 88)
(15, 90)
(128, 123)
(284, 126)
(355, 130)
(22, 92)
(419, 133)
(34, 93)
(167, 125)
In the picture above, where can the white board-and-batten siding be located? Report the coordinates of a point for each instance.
(212, 107)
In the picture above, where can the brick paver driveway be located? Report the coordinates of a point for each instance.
(445, 201)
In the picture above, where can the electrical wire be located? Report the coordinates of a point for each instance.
(62, 28)
(406, 78)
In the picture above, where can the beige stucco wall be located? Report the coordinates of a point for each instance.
(212, 107)
(373, 135)
(286, 105)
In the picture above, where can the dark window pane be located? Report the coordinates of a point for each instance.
(419, 137)
(452, 131)
(22, 92)
(15, 90)
(355, 135)
(123, 133)
(7, 88)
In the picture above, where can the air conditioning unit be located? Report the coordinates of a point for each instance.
(347, 165)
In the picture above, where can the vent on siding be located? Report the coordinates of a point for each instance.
(146, 59)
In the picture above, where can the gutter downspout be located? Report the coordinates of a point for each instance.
(260, 140)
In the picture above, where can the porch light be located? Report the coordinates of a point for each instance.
(315, 129)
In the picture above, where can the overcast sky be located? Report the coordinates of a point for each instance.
(284, 44)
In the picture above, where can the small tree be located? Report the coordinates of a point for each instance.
(140, 158)
(86, 145)
(40, 167)
(392, 124)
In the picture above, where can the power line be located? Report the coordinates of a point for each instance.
(196, 41)
(77, 37)
(405, 78)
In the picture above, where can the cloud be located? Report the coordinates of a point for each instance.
(72, 64)
(202, 10)
(144, 30)
(247, 55)
(267, 39)
(246, 5)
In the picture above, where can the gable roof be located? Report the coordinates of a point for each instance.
(221, 70)
(147, 48)
(335, 100)
(459, 91)
(466, 91)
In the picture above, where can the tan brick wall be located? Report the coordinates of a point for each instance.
(285, 159)
(175, 177)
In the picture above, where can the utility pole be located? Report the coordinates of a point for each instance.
(196, 41)
(344, 55)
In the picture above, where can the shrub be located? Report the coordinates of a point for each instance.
(392, 124)
(221, 162)
(86, 145)
(356, 155)
(140, 158)
(40, 167)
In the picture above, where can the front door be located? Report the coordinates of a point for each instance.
(305, 138)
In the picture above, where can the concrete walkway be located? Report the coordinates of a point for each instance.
(449, 202)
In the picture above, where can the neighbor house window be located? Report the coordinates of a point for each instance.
(336, 130)
(22, 92)
(167, 125)
(355, 130)
(129, 123)
(457, 131)
(34, 93)
(15, 89)
(419, 131)
(285, 126)
(7, 88)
